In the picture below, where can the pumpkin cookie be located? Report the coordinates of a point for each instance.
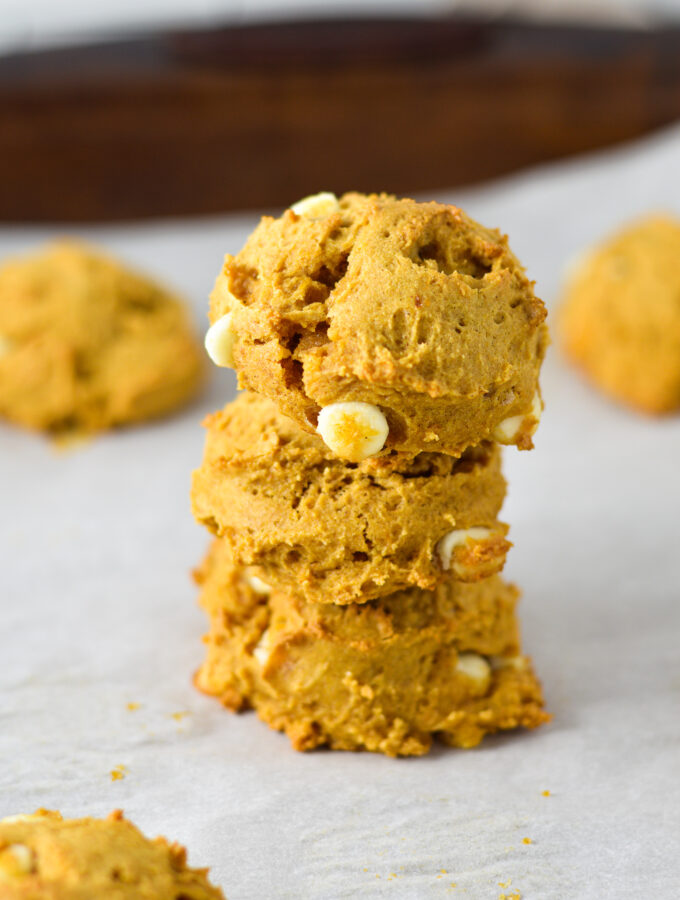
(46, 857)
(339, 532)
(86, 344)
(621, 316)
(383, 676)
(384, 324)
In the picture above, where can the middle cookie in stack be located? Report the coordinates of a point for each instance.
(340, 532)
(353, 588)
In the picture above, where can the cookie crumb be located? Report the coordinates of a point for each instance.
(131, 707)
(118, 772)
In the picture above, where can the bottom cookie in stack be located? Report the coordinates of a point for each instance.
(386, 676)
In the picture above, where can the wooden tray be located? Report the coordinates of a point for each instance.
(257, 116)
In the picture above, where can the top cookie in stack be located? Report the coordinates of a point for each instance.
(385, 325)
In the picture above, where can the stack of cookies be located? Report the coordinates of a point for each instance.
(386, 349)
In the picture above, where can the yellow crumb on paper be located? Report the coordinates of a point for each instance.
(118, 772)
(66, 441)
(545, 793)
(527, 841)
(514, 896)
(131, 707)
(505, 883)
(178, 716)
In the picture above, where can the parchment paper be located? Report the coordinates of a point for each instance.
(98, 612)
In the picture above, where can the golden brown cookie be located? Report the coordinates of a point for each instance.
(413, 310)
(46, 857)
(340, 532)
(620, 320)
(383, 676)
(86, 344)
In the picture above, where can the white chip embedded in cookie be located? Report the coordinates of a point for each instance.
(519, 663)
(262, 648)
(23, 817)
(316, 206)
(353, 430)
(457, 538)
(473, 553)
(474, 667)
(507, 431)
(15, 860)
(258, 585)
(219, 342)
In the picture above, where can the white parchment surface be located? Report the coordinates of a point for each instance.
(98, 612)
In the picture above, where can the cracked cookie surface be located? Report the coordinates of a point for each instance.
(87, 344)
(385, 676)
(411, 307)
(339, 532)
(46, 857)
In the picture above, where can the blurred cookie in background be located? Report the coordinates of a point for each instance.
(620, 319)
(46, 856)
(87, 344)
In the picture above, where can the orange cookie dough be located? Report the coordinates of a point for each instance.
(339, 532)
(384, 676)
(620, 320)
(85, 344)
(46, 857)
(387, 324)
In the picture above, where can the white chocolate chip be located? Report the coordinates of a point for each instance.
(353, 430)
(519, 663)
(316, 206)
(15, 861)
(256, 584)
(22, 817)
(474, 667)
(453, 539)
(219, 342)
(508, 430)
(261, 649)
(23, 856)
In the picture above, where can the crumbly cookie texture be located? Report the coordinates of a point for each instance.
(338, 532)
(384, 676)
(620, 320)
(410, 307)
(46, 857)
(88, 344)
